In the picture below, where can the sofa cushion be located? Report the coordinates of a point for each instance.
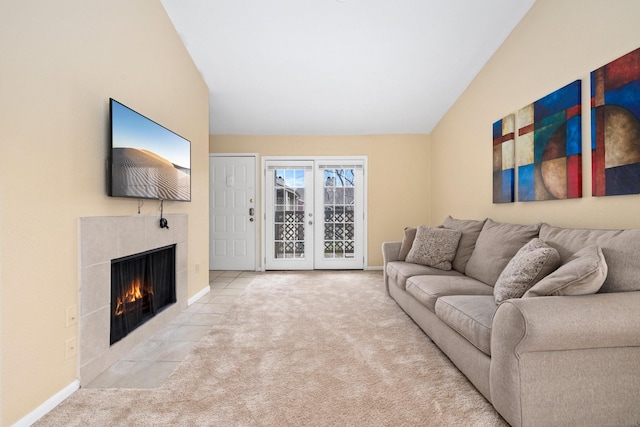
(427, 289)
(435, 247)
(399, 271)
(496, 245)
(470, 230)
(621, 249)
(531, 263)
(407, 242)
(583, 274)
(469, 315)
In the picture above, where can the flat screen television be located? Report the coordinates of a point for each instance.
(148, 161)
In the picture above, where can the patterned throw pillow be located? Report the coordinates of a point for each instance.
(434, 247)
(530, 264)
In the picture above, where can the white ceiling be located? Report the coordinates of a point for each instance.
(338, 67)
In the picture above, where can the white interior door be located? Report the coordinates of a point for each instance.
(232, 210)
(289, 215)
(314, 214)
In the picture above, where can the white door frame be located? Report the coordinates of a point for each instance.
(363, 159)
(257, 216)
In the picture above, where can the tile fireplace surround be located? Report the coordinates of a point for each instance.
(101, 240)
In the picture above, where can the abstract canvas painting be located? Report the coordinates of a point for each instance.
(549, 146)
(615, 126)
(503, 160)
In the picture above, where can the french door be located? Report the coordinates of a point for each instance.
(289, 215)
(314, 214)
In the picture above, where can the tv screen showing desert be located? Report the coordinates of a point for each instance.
(144, 174)
(148, 160)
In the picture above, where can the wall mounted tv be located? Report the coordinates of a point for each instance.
(148, 161)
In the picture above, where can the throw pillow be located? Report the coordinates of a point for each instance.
(582, 274)
(531, 263)
(434, 247)
(407, 242)
(496, 245)
(470, 230)
(620, 248)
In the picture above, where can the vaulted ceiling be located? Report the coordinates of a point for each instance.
(338, 67)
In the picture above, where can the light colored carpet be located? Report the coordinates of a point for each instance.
(299, 349)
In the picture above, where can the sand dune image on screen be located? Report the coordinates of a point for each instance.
(144, 174)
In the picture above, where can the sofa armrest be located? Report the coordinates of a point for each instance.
(390, 252)
(567, 360)
(568, 323)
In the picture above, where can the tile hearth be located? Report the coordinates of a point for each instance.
(149, 363)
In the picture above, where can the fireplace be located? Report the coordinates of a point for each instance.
(107, 238)
(142, 285)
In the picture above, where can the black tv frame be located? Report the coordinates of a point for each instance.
(135, 169)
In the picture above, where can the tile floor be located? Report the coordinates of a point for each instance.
(149, 363)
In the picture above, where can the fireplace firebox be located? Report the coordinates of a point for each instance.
(142, 285)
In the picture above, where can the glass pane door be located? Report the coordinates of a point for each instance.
(339, 202)
(289, 242)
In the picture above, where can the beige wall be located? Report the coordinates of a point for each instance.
(556, 43)
(60, 62)
(398, 180)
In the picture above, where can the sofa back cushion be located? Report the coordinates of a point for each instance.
(470, 230)
(621, 250)
(496, 245)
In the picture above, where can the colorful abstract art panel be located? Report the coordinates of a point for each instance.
(615, 126)
(504, 160)
(549, 146)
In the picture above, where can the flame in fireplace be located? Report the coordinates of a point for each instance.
(131, 295)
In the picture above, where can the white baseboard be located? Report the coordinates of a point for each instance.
(47, 406)
(374, 267)
(199, 295)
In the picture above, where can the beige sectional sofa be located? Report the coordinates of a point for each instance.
(561, 347)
